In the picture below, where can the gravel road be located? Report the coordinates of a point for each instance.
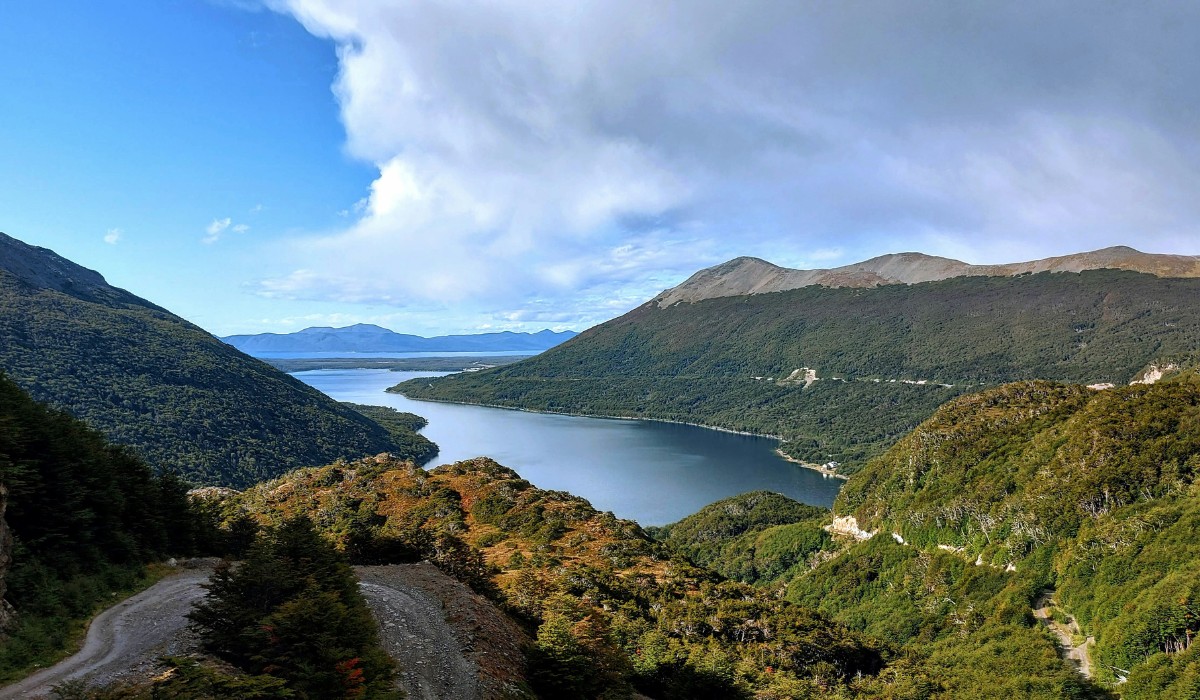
(125, 640)
(414, 631)
(1077, 655)
(450, 643)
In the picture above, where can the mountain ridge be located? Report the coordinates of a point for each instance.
(881, 358)
(366, 337)
(749, 275)
(153, 381)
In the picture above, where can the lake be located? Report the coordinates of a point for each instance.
(389, 355)
(648, 471)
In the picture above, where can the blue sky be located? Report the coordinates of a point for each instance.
(453, 166)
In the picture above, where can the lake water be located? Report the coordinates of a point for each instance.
(651, 472)
(346, 354)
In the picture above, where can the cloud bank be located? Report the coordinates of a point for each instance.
(541, 158)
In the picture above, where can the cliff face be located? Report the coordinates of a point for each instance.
(7, 614)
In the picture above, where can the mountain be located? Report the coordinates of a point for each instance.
(150, 380)
(754, 276)
(1086, 498)
(364, 337)
(1021, 539)
(842, 373)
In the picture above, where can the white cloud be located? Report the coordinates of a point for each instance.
(602, 149)
(216, 230)
(212, 233)
(113, 236)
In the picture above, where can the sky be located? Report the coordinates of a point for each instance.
(450, 166)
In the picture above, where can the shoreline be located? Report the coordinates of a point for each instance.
(778, 450)
(809, 465)
(589, 415)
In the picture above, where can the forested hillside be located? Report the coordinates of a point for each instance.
(610, 610)
(1093, 493)
(1082, 503)
(883, 358)
(83, 518)
(150, 380)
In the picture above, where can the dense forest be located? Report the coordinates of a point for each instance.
(85, 518)
(731, 362)
(1032, 494)
(1091, 493)
(146, 378)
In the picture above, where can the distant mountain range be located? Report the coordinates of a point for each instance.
(755, 276)
(365, 337)
(152, 381)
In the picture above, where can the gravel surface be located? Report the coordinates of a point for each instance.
(1077, 655)
(415, 633)
(125, 640)
(449, 641)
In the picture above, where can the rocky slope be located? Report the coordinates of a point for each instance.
(754, 276)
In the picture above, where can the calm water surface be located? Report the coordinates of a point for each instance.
(652, 472)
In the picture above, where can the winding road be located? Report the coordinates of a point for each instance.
(1078, 655)
(125, 641)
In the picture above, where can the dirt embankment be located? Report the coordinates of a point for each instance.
(450, 642)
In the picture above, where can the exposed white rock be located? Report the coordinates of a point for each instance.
(848, 525)
(1154, 373)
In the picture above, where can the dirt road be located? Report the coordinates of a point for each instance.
(125, 640)
(414, 632)
(450, 643)
(1077, 655)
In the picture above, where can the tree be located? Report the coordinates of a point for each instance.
(293, 610)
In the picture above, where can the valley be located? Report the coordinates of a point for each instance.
(655, 558)
(599, 350)
(647, 471)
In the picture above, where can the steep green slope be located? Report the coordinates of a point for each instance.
(150, 380)
(757, 537)
(955, 630)
(709, 362)
(84, 518)
(1091, 494)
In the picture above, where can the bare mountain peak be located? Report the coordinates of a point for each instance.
(42, 268)
(747, 275)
